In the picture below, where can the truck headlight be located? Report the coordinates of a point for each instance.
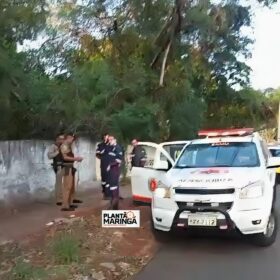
(162, 191)
(253, 190)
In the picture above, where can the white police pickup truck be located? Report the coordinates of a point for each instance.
(225, 180)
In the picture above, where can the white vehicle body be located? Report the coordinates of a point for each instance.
(222, 197)
(275, 152)
(159, 156)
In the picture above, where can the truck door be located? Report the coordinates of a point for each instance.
(157, 164)
(175, 148)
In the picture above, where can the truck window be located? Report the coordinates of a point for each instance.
(275, 152)
(150, 156)
(173, 150)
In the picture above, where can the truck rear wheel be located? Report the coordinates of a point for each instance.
(267, 238)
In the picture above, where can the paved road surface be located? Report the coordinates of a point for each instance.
(214, 258)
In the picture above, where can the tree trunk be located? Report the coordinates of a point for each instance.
(164, 64)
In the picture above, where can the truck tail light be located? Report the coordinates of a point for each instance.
(153, 185)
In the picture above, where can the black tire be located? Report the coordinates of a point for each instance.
(277, 178)
(268, 238)
(159, 235)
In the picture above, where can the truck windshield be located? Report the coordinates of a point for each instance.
(174, 150)
(231, 154)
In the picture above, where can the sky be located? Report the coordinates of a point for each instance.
(265, 61)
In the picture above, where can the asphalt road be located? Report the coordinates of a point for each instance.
(214, 257)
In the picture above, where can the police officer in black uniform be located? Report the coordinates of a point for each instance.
(138, 155)
(114, 171)
(102, 154)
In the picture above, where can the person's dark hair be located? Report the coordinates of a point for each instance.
(104, 134)
(59, 135)
(71, 134)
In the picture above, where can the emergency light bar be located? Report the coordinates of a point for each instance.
(226, 132)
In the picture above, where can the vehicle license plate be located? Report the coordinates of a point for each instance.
(202, 220)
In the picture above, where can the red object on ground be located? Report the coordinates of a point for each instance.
(226, 132)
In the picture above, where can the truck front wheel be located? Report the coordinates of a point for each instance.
(268, 237)
(160, 236)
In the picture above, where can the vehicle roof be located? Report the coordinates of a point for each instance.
(147, 143)
(175, 142)
(164, 143)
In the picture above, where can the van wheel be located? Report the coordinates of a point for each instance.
(267, 238)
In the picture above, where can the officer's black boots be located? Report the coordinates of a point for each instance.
(115, 204)
(106, 197)
(67, 209)
(77, 201)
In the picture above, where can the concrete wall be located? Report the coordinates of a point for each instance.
(26, 173)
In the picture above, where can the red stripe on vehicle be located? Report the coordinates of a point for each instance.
(142, 198)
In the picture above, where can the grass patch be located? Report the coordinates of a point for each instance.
(9, 252)
(65, 248)
(59, 272)
(26, 271)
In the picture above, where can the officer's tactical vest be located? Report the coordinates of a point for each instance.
(57, 161)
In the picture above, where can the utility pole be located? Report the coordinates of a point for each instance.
(278, 131)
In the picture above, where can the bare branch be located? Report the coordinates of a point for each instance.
(164, 64)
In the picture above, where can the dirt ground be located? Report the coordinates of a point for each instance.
(104, 253)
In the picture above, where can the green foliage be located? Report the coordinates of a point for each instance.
(26, 271)
(99, 68)
(65, 248)
(245, 108)
(268, 2)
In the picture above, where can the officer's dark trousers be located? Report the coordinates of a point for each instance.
(114, 177)
(104, 179)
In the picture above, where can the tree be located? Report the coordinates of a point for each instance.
(19, 21)
(156, 70)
